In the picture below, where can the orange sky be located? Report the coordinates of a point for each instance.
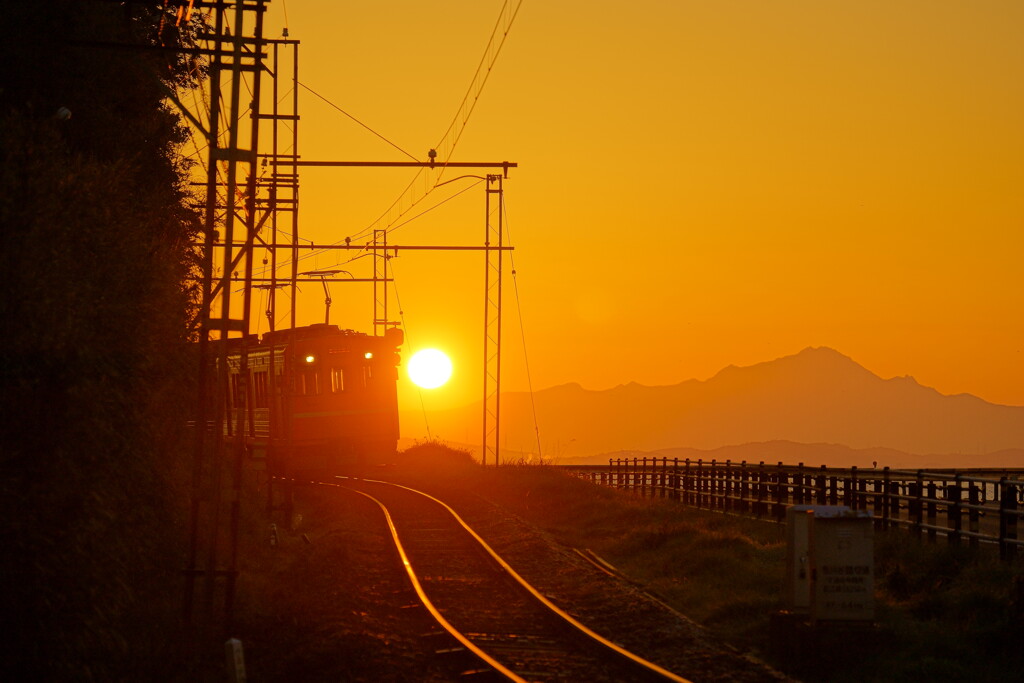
(700, 183)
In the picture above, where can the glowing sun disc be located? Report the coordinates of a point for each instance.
(429, 368)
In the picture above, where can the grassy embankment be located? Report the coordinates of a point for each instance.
(941, 612)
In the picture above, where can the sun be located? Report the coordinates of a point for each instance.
(429, 368)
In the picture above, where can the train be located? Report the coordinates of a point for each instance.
(315, 400)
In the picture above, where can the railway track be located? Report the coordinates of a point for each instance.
(500, 624)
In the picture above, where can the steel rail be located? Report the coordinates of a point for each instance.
(650, 666)
(472, 647)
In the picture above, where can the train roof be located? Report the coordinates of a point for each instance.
(308, 332)
(392, 337)
(318, 330)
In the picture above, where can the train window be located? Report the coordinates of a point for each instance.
(311, 383)
(260, 389)
(337, 380)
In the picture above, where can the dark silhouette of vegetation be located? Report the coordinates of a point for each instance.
(96, 228)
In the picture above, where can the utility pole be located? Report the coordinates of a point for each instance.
(494, 236)
(236, 48)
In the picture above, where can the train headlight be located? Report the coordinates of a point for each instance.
(310, 359)
(368, 355)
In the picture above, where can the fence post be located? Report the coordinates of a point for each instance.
(851, 494)
(714, 502)
(723, 486)
(798, 485)
(669, 480)
(660, 476)
(886, 501)
(822, 496)
(953, 516)
(972, 513)
(700, 483)
(781, 487)
(712, 488)
(1007, 519)
(918, 504)
(744, 488)
(687, 481)
(933, 496)
(759, 487)
(718, 477)
(877, 500)
(655, 477)
(728, 502)
(675, 479)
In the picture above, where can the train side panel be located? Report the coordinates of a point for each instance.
(322, 400)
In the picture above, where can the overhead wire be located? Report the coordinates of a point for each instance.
(332, 104)
(284, 6)
(408, 343)
(315, 253)
(508, 16)
(449, 140)
(439, 204)
(522, 329)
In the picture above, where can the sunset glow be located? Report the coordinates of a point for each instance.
(699, 185)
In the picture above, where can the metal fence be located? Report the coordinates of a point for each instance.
(972, 506)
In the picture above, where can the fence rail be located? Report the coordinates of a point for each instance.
(972, 506)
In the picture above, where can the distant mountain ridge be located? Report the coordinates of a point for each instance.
(817, 396)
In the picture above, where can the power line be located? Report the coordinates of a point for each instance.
(444, 201)
(446, 147)
(506, 17)
(408, 343)
(522, 330)
(356, 238)
(357, 120)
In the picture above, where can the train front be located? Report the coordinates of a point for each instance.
(341, 408)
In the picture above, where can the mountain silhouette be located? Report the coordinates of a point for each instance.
(816, 396)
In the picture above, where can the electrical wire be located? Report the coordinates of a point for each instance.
(522, 330)
(408, 344)
(315, 253)
(440, 203)
(452, 135)
(476, 89)
(356, 120)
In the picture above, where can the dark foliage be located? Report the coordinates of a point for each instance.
(95, 232)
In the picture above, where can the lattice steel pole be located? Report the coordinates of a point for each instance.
(234, 52)
(493, 242)
(380, 281)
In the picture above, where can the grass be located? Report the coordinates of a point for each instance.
(941, 611)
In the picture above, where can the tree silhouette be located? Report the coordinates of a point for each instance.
(95, 227)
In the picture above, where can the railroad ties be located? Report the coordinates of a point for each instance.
(481, 600)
